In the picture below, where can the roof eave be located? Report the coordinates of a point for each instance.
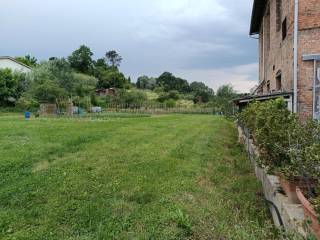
(256, 16)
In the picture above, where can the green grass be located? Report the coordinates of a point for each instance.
(166, 177)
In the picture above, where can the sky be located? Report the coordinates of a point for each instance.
(198, 40)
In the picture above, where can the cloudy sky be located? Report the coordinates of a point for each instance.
(199, 40)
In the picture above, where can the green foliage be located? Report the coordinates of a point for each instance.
(223, 99)
(113, 58)
(269, 123)
(84, 85)
(201, 92)
(28, 60)
(131, 98)
(48, 91)
(12, 85)
(170, 103)
(144, 82)
(27, 104)
(183, 221)
(226, 92)
(82, 102)
(111, 77)
(81, 60)
(286, 145)
(52, 80)
(171, 95)
(169, 82)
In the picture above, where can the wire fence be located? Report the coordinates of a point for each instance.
(157, 109)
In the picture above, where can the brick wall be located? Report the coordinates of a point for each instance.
(309, 12)
(279, 57)
(309, 43)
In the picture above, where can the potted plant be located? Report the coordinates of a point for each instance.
(301, 169)
(309, 212)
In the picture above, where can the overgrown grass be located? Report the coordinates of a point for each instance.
(168, 177)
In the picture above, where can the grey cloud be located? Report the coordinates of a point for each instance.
(207, 36)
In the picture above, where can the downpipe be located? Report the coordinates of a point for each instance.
(295, 56)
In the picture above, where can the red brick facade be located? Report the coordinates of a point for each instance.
(276, 49)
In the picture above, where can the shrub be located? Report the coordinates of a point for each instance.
(269, 124)
(170, 103)
(286, 145)
(12, 85)
(27, 104)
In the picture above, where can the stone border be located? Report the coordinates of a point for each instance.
(291, 215)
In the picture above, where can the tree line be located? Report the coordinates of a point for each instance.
(79, 75)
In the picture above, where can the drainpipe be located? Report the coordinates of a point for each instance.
(295, 57)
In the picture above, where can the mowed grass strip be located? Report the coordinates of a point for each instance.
(168, 177)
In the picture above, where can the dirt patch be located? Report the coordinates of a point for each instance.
(40, 166)
(204, 182)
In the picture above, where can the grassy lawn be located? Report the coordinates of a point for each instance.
(167, 177)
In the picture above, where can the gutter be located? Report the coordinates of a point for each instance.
(295, 58)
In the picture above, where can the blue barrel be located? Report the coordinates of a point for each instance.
(27, 115)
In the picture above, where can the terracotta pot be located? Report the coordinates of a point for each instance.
(289, 187)
(309, 213)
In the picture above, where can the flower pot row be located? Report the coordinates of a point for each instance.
(295, 193)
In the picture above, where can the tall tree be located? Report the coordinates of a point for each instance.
(223, 98)
(169, 82)
(113, 58)
(144, 82)
(111, 78)
(81, 59)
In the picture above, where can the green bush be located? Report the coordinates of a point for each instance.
(286, 145)
(170, 103)
(12, 85)
(26, 104)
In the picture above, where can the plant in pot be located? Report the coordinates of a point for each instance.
(301, 169)
(275, 126)
(305, 162)
(308, 194)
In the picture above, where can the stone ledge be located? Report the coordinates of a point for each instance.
(292, 215)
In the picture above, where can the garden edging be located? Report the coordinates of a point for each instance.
(285, 214)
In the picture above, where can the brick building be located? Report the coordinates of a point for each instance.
(288, 32)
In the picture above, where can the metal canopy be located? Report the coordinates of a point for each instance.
(311, 57)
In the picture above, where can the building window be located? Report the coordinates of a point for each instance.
(284, 29)
(278, 14)
(278, 81)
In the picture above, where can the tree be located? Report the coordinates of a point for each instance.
(201, 92)
(111, 78)
(144, 82)
(200, 87)
(101, 63)
(61, 72)
(226, 92)
(81, 59)
(28, 60)
(169, 82)
(171, 95)
(48, 91)
(84, 85)
(223, 99)
(52, 80)
(12, 86)
(113, 58)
